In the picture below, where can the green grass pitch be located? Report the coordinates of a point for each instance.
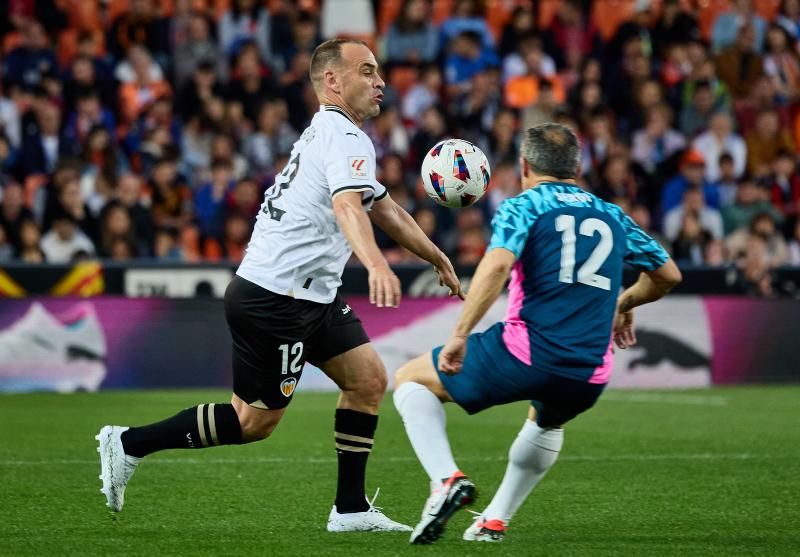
(712, 472)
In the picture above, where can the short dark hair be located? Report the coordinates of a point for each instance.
(552, 150)
(329, 52)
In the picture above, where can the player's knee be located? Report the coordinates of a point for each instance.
(255, 430)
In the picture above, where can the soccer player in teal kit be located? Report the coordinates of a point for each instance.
(564, 250)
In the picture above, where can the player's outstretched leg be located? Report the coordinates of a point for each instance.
(532, 454)
(360, 374)
(207, 425)
(418, 398)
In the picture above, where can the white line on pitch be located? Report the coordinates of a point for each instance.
(664, 398)
(499, 458)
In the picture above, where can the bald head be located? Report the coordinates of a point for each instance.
(327, 56)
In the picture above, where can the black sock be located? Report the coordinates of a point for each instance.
(354, 433)
(207, 425)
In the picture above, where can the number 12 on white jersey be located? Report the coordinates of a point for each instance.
(587, 273)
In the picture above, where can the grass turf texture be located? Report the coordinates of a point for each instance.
(713, 472)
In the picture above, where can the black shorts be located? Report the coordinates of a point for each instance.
(274, 335)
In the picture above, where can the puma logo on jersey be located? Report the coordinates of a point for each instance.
(351, 133)
(358, 167)
(346, 310)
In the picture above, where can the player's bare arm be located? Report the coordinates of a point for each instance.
(403, 229)
(384, 286)
(487, 284)
(651, 286)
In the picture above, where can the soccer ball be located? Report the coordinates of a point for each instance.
(455, 173)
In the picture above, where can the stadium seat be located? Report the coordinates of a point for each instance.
(498, 13)
(11, 41)
(31, 185)
(389, 11)
(442, 9)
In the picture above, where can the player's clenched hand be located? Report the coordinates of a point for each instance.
(451, 358)
(624, 335)
(384, 287)
(447, 276)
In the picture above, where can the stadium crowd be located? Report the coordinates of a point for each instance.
(144, 128)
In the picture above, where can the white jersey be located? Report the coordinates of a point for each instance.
(297, 248)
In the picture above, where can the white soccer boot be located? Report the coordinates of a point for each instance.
(482, 530)
(372, 520)
(455, 493)
(40, 352)
(116, 468)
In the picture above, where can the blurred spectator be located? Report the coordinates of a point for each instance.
(521, 24)
(502, 143)
(129, 194)
(171, 197)
(244, 22)
(251, 85)
(764, 143)
(781, 64)
(617, 180)
(246, 198)
(432, 129)
(785, 187)
(762, 98)
(468, 16)
(636, 27)
(793, 249)
(65, 240)
(72, 204)
(750, 201)
(543, 110)
(789, 17)
(477, 109)
(523, 90)
(139, 25)
(696, 116)
(598, 141)
(202, 87)
(740, 64)
(195, 49)
(223, 146)
(691, 242)
(674, 25)
(210, 199)
(88, 113)
(42, 144)
(29, 250)
(754, 275)
(726, 183)
(466, 58)
(273, 136)
(718, 139)
(691, 176)
(763, 227)
(116, 224)
(6, 249)
(505, 183)
(166, 247)
(728, 25)
(145, 86)
(678, 220)
(9, 119)
(236, 234)
(28, 64)
(8, 158)
(424, 94)
(529, 54)
(571, 36)
(13, 213)
(411, 37)
(387, 133)
(657, 141)
(641, 216)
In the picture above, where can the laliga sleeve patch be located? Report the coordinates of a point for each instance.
(359, 167)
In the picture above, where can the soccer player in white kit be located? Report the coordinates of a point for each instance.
(283, 308)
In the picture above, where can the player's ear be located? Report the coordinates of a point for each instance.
(523, 165)
(331, 80)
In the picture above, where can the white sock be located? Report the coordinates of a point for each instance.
(532, 454)
(424, 418)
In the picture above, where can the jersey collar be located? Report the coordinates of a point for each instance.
(338, 110)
